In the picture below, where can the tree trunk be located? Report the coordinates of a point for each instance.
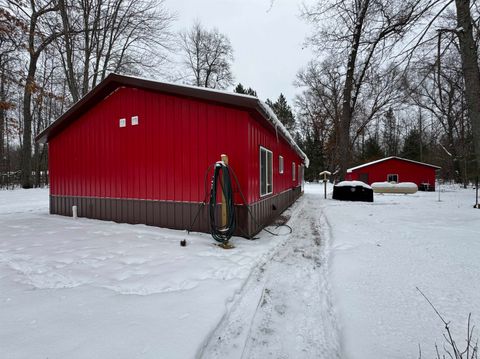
(471, 71)
(343, 143)
(2, 121)
(69, 68)
(26, 171)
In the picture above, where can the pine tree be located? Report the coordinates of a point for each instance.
(284, 112)
(411, 147)
(390, 138)
(313, 148)
(240, 89)
(373, 151)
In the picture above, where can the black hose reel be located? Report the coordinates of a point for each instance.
(222, 228)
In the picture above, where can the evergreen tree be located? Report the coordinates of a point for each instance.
(373, 150)
(313, 149)
(240, 89)
(411, 146)
(390, 135)
(284, 112)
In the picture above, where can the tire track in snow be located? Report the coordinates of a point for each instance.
(285, 308)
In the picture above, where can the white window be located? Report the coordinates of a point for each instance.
(299, 171)
(266, 171)
(122, 122)
(134, 120)
(293, 171)
(392, 178)
(280, 164)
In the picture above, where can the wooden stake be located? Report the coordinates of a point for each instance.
(224, 202)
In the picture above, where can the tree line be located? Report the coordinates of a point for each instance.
(389, 77)
(392, 78)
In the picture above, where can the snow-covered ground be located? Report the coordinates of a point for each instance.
(341, 285)
(93, 289)
(382, 251)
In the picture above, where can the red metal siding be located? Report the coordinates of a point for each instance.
(259, 135)
(163, 158)
(407, 172)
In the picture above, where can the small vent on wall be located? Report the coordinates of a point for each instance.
(134, 120)
(122, 122)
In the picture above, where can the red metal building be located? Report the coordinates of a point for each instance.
(395, 169)
(136, 151)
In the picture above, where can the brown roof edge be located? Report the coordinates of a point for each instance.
(114, 81)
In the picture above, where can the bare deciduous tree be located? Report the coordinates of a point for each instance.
(42, 29)
(208, 57)
(365, 32)
(125, 36)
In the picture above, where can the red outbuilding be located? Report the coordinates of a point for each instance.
(136, 151)
(395, 169)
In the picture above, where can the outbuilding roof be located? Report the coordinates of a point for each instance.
(389, 158)
(115, 81)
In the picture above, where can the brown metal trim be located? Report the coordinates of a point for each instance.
(175, 215)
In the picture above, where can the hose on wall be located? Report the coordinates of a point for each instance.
(221, 177)
(223, 233)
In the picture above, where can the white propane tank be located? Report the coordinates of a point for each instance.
(387, 187)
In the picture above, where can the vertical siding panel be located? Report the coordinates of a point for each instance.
(112, 128)
(161, 150)
(129, 156)
(77, 159)
(85, 158)
(186, 151)
(95, 148)
(51, 164)
(149, 125)
(179, 175)
(202, 150)
(196, 175)
(109, 180)
(154, 117)
(61, 162)
(141, 111)
(178, 144)
(169, 154)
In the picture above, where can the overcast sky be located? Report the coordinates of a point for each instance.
(267, 43)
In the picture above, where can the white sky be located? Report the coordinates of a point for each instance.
(267, 44)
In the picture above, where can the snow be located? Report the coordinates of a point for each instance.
(285, 309)
(353, 184)
(382, 251)
(342, 285)
(81, 288)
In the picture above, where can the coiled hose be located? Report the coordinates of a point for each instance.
(222, 233)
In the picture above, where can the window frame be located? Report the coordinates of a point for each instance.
(281, 165)
(293, 171)
(268, 171)
(392, 174)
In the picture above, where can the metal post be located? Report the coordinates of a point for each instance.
(325, 175)
(476, 189)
